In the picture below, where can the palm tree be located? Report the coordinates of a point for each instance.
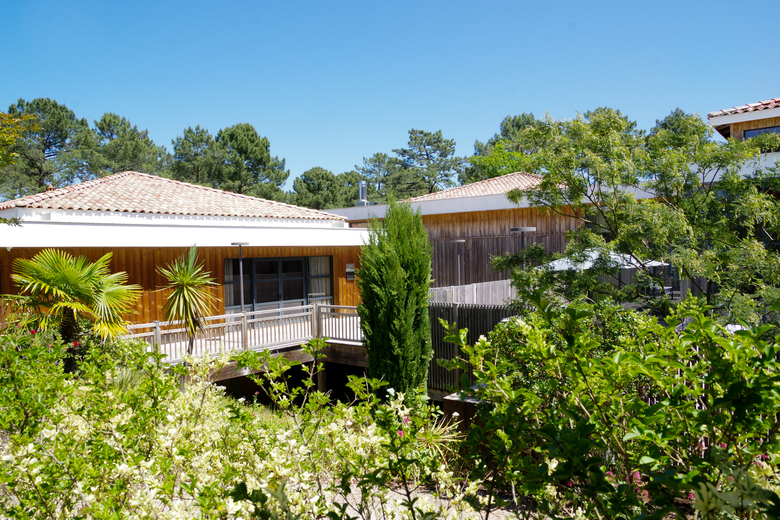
(190, 300)
(58, 288)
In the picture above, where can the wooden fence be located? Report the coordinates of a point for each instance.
(478, 319)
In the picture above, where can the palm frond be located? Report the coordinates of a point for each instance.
(55, 284)
(190, 299)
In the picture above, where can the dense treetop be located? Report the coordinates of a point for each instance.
(44, 143)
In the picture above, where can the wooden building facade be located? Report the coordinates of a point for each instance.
(470, 224)
(291, 256)
(487, 234)
(746, 121)
(141, 263)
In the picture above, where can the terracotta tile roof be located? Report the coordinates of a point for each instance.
(494, 186)
(135, 192)
(750, 107)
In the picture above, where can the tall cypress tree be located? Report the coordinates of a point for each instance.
(394, 280)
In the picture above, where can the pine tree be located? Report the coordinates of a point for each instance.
(394, 280)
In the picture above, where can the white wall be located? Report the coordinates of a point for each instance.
(75, 229)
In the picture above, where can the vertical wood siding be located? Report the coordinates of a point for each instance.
(487, 235)
(478, 319)
(141, 266)
(738, 129)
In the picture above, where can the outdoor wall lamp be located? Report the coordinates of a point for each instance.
(240, 270)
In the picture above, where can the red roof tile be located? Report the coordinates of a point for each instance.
(494, 186)
(750, 107)
(134, 192)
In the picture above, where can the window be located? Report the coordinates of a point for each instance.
(232, 289)
(320, 279)
(272, 283)
(759, 131)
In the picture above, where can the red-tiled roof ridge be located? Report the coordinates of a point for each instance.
(750, 107)
(173, 197)
(493, 186)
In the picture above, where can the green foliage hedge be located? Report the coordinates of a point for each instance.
(605, 413)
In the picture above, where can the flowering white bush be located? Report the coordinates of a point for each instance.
(172, 445)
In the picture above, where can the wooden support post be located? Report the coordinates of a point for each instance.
(322, 381)
(455, 313)
(459, 352)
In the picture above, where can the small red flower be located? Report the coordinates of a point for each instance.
(75, 343)
(32, 331)
(400, 433)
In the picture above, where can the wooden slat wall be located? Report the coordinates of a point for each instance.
(738, 129)
(140, 264)
(487, 235)
(478, 319)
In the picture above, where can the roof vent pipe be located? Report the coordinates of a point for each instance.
(363, 194)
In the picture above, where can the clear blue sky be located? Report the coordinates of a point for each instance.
(331, 82)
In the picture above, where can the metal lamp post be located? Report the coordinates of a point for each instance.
(240, 269)
(458, 242)
(522, 231)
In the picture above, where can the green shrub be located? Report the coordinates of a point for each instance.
(639, 421)
(31, 378)
(132, 440)
(394, 280)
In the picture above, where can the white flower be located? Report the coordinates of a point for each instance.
(232, 507)
(391, 391)
(455, 414)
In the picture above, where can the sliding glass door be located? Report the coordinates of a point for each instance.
(278, 283)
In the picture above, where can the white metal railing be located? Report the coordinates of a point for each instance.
(485, 293)
(251, 330)
(339, 323)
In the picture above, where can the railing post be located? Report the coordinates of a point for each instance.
(244, 332)
(316, 329)
(157, 335)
